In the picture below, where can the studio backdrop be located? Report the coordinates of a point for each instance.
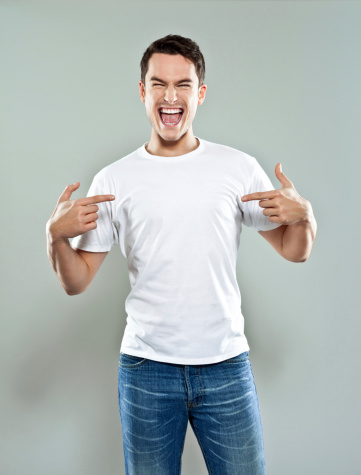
(283, 83)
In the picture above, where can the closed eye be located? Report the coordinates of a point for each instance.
(180, 85)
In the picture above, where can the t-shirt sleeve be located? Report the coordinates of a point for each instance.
(252, 212)
(102, 238)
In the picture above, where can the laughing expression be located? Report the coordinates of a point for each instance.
(171, 95)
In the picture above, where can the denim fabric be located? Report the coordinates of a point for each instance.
(156, 401)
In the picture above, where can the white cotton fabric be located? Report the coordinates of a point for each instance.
(178, 221)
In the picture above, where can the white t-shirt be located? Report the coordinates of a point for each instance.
(178, 222)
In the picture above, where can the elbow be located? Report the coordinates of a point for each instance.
(73, 288)
(296, 257)
(301, 258)
(305, 256)
(72, 291)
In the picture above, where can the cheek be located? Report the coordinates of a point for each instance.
(192, 109)
(150, 106)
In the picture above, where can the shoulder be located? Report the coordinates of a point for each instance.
(240, 158)
(118, 167)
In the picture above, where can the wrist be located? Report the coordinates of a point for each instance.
(308, 215)
(52, 234)
(310, 221)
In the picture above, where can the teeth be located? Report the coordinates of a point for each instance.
(170, 111)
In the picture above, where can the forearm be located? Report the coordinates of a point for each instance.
(298, 238)
(72, 270)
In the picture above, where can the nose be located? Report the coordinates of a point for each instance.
(170, 95)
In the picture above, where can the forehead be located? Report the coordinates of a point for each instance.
(170, 67)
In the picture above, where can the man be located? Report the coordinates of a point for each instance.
(175, 206)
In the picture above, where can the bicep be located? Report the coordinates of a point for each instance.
(274, 237)
(93, 260)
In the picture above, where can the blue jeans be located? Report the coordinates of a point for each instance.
(156, 401)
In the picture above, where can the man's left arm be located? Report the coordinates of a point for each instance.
(293, 240)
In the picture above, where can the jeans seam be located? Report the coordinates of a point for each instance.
(203, 452)
(180, 458)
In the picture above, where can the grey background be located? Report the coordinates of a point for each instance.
(283, 85)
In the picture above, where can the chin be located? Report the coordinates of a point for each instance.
(170, 139)
(170, 135)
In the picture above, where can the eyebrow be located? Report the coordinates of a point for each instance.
(153, 78)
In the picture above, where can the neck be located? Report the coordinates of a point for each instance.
(172, 148)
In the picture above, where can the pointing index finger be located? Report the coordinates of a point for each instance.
(261, 195)
(95, 199)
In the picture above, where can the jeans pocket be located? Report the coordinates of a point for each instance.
(241, 358)
(131, 361)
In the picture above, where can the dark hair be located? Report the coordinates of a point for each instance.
(175, 44)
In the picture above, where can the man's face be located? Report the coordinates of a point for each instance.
(171, 94)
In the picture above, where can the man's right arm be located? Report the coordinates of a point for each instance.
(75, 268)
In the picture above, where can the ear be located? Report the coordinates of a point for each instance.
(202, 94)
(141, 91)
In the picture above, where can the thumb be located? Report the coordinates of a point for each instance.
(282, 177)
(65, 196)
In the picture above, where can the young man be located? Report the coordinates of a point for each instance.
(176, 206)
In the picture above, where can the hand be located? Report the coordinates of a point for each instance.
(283, 206)
(73, 217)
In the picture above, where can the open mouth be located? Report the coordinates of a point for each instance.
(170, 117)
